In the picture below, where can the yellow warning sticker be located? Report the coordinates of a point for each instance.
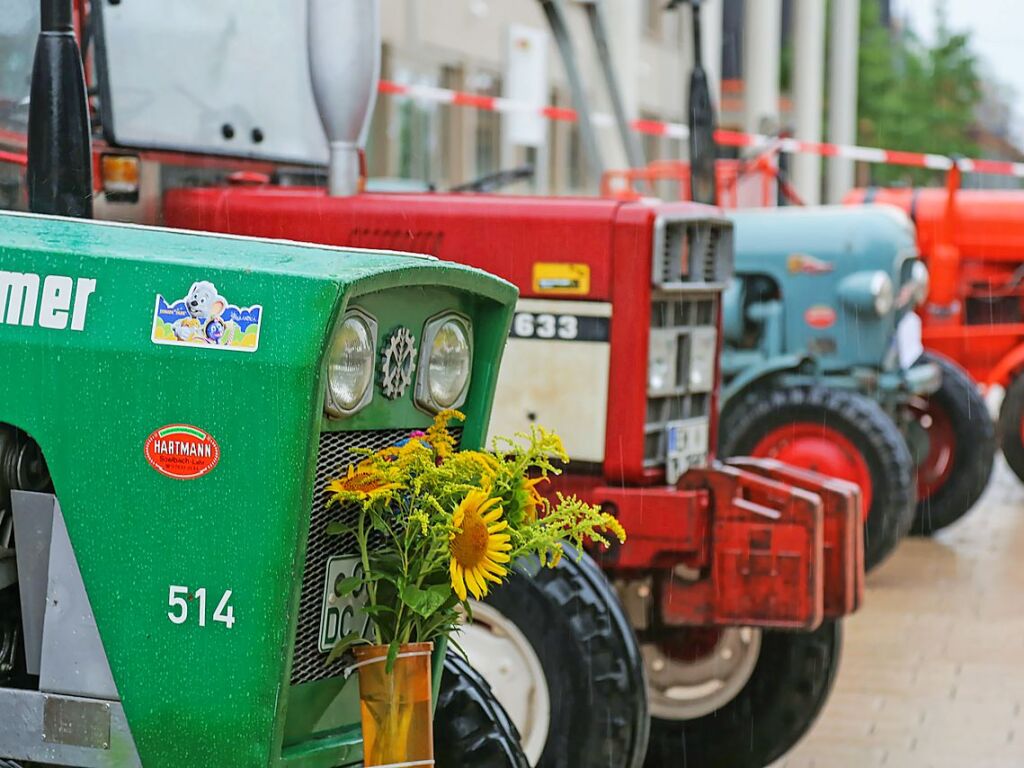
(561, 277)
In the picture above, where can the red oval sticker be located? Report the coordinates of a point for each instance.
(182, 451)
(820, 316)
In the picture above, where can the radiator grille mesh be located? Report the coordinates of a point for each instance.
(335, 454)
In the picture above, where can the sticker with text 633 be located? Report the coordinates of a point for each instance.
(188, 605)
(557, 327)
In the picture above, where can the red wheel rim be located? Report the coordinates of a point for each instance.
(934, 470)
(820, 449)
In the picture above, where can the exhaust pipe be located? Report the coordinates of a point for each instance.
(344, 66)
(59, 172)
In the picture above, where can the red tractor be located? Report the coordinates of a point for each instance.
(734, 577)
(973, 243)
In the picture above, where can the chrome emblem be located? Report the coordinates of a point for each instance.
(397, 361)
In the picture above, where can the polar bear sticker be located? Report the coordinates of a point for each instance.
(202, 317)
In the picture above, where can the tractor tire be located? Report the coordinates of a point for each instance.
(961, 449)
(838, 433)
(1011, 426)
(784, 694)
(557, 648)
(470, 727)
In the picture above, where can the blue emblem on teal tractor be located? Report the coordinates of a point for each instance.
(824, 368)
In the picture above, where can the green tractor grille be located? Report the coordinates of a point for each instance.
(335, 454)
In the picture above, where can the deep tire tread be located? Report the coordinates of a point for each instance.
(784, 696)
(1010, 425)
(470, 727)
(974, 450)
(610, 723)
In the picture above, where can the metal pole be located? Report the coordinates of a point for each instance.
(630, 141)
(59, 173)
(555, 13)
(762, 41)
(842, 121)
(808, 98)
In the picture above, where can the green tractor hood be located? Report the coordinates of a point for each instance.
(192, 464)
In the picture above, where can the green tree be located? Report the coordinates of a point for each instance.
(915, 97)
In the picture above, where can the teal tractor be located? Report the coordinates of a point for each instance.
(824, 368)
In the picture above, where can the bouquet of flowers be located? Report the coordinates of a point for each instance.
(436, 525)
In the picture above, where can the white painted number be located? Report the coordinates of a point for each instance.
(546, 326)
(524, 324)
(178, 598)
(568, 327)
(225, 614)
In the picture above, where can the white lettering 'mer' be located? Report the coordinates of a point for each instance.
(20, 296)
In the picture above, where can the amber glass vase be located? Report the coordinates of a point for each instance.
(396, 706)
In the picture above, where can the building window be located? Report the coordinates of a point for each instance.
(488, 126)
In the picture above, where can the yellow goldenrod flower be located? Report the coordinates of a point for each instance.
(612, 524)
(438, 436)
(477, 546)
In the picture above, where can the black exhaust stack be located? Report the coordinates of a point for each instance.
(59, 137)
(701, 116)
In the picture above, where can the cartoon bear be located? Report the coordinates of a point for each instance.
(203, 304)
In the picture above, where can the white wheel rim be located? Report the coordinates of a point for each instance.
(506, 660)
(686, 690)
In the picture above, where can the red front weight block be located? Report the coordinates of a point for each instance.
(844, 531)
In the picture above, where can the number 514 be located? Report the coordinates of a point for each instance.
(178, 598)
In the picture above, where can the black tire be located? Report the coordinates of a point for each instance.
(973, 451)
(754, 414)
(784, 696)
(572, 618)
(1010, 415)
(470, 727)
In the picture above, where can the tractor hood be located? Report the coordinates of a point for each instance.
(185, 463)
(845, 278)
(828, 240)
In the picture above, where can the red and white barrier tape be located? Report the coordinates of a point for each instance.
(723, 137)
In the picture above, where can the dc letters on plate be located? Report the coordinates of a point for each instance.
(202, 317)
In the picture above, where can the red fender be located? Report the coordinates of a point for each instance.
(1003, 372)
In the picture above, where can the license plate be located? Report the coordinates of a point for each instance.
(686, 446)
(908, 340)
(341, 616)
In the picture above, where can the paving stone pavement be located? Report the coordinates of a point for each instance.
(932, 674)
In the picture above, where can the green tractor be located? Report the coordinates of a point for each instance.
(171, 408)
(824, 368)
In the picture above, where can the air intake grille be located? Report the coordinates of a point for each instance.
(335, 454)
(691, 251)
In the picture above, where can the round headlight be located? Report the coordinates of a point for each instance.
(448, 364)
(882, 293)
(350, 366)
(919, 276)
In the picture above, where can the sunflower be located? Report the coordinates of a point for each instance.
(477, 546)
(364, 482)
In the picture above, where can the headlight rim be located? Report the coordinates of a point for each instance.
(331, 408)
(422, 396)
(883, 293)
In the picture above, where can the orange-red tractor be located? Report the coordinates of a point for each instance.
(973, 243)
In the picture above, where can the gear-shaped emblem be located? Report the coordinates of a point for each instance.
(397, 361)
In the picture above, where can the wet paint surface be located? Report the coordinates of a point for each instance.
(932, 674)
